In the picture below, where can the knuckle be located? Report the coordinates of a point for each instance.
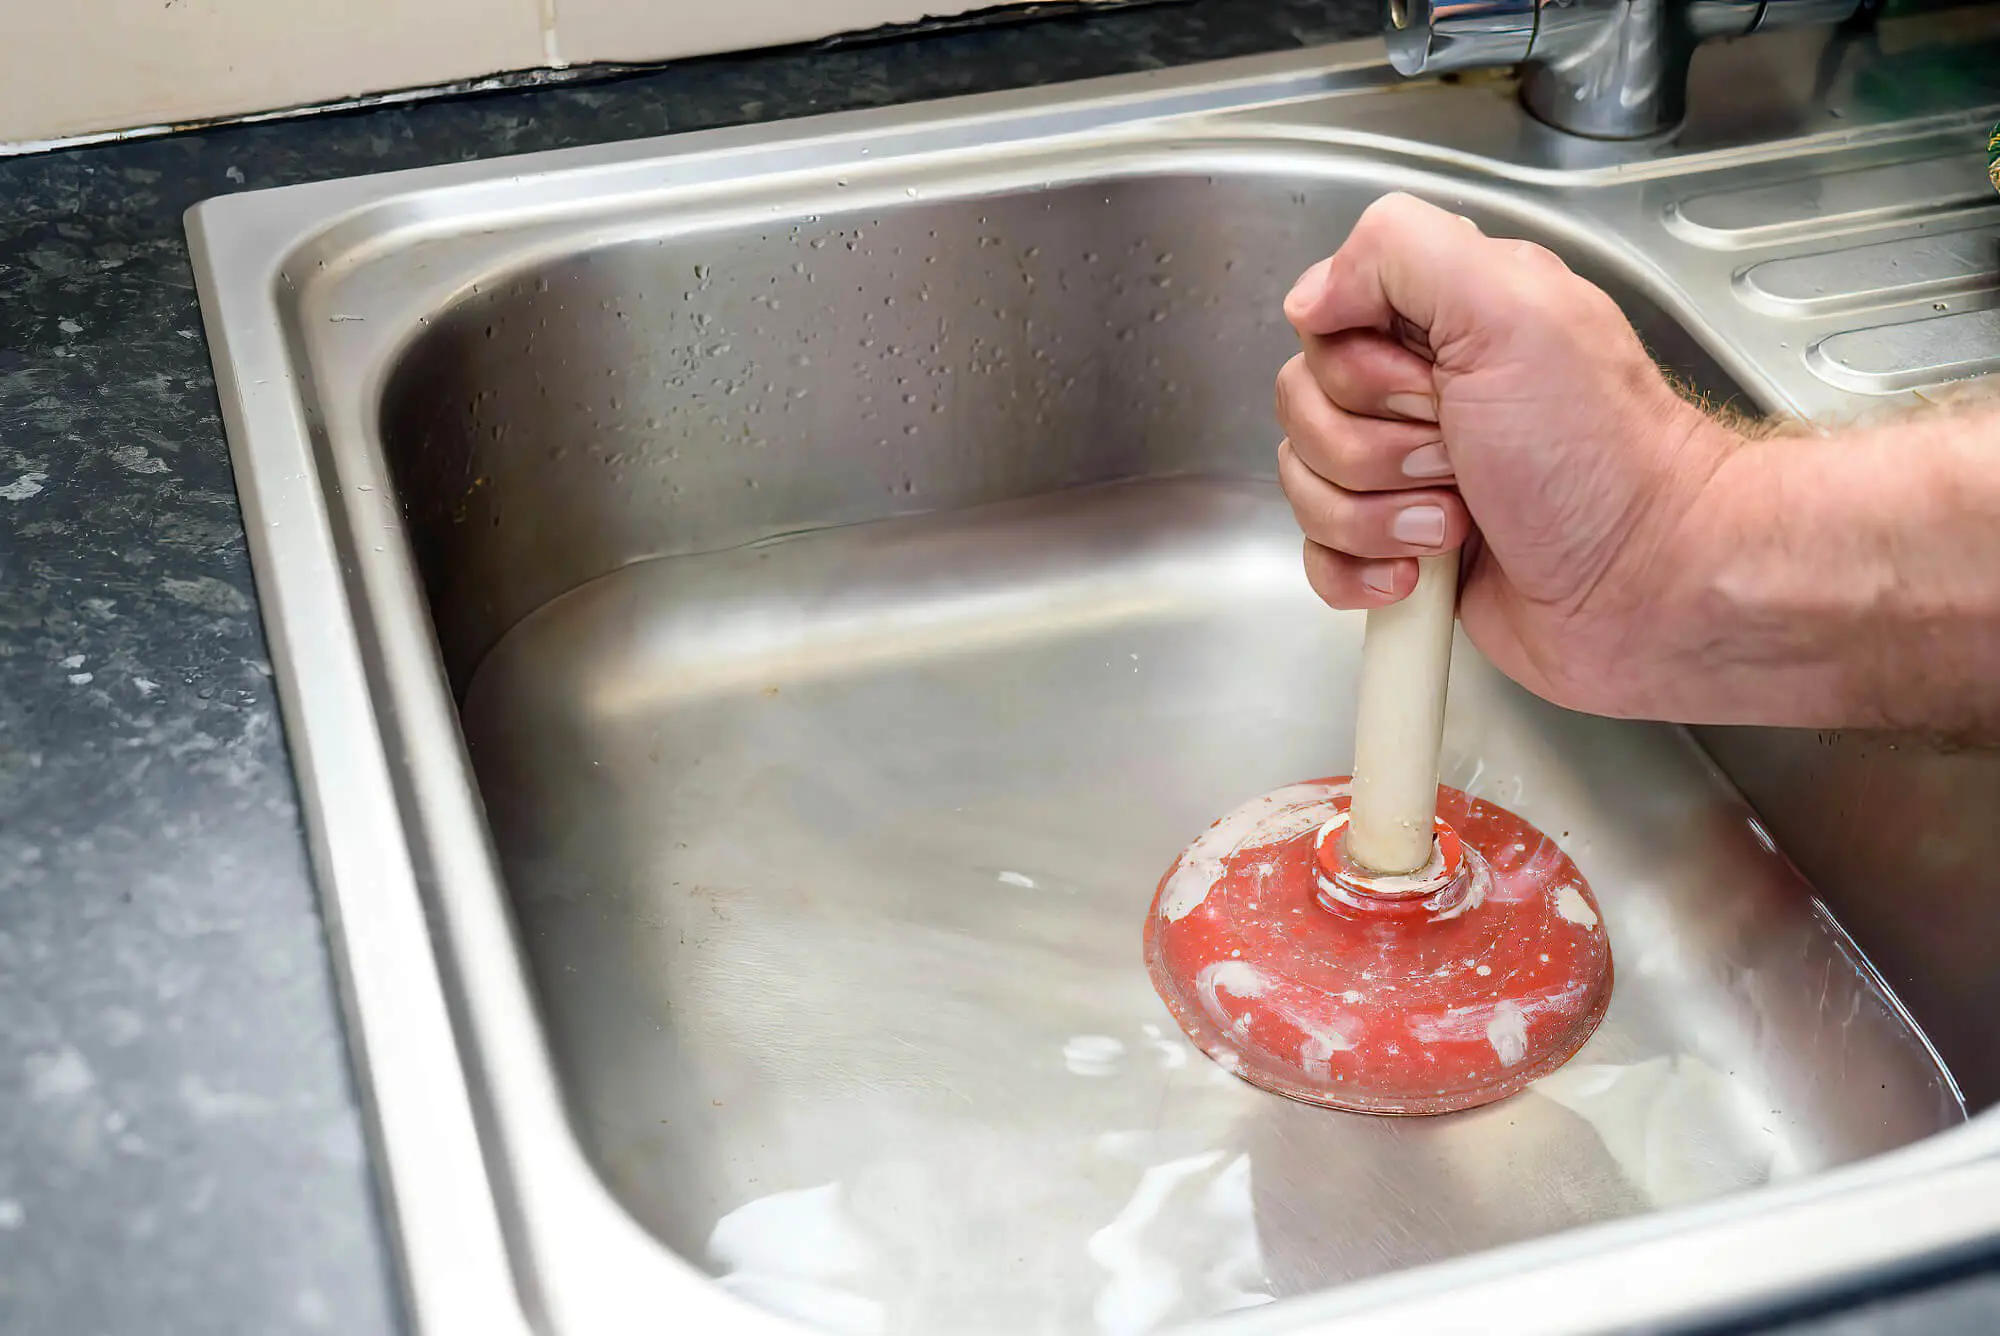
(1377, 221)
(1383, 210)
(1529, 290)
(1293, 473)
(1533, 252)
(1598, 304)
(1286, 388)
(1337, 515)
(1330, 452)
(1332, 373)
(1346, 455)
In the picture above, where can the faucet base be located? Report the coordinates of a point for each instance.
(1599, 69)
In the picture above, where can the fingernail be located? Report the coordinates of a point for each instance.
(1380, 576)
(1419, 526)
(1309, 285)
(1416, 407)
(1427, 461)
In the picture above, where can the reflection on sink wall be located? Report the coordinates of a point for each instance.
(829, 837)
(699, 392)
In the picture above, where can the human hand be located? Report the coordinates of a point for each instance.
(1458, 389)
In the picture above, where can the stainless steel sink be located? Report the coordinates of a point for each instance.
(757, 612)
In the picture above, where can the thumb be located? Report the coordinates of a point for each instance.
(1397, 267)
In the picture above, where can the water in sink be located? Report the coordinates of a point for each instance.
(831, 854)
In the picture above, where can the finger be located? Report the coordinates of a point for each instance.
(1372, 374)
(1372, 524)
(1343, 581)
(1362, 454)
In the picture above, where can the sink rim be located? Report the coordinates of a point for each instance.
(487, 1183)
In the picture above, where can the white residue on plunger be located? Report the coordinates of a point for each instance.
(1278, 816)
(1232, 977)
(1508, 1033)
(1316, 1050)
(1572, 906)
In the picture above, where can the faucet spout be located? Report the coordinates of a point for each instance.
(1605, 69)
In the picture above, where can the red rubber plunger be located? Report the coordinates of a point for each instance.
(1447, 989)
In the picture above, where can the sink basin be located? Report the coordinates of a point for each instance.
(758, 611)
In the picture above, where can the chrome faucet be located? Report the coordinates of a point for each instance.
(1608, 69)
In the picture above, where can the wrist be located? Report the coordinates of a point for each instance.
(1764, 614)
(1845, 580)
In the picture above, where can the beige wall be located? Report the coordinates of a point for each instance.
(84, 67)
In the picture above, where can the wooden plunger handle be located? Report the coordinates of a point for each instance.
(1399, 722)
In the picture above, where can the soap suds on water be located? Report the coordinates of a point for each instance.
(797, 1253)
(1092, 1054)
(1190, 1223)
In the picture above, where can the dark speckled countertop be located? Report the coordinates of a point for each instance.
(180, 1142)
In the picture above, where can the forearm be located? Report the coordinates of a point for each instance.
(1854, 579)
